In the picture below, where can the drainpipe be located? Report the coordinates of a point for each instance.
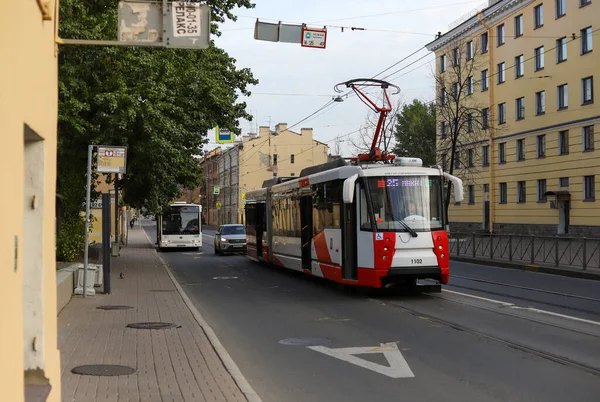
(491, 122)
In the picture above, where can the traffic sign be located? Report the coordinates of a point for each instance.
(219, 204)
(216, 190)
(315, 38)
(224, 135)
(112, 159)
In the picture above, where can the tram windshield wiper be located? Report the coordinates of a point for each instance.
(410, 230)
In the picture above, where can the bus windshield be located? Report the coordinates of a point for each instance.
(181, 220)
(402, 203)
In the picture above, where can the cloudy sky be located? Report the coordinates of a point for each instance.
(295, 81)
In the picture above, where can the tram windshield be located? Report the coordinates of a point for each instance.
(402, 203)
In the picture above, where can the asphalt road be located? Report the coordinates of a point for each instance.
(469, 343)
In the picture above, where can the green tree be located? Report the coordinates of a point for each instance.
(160, 103)
(415, 132)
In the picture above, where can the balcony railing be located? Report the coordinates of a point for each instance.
(558, 251)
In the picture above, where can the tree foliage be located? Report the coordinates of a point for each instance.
(415, 132)
(160, 103)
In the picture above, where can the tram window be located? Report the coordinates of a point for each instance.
(327, 201)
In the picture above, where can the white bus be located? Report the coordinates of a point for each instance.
(180, 226)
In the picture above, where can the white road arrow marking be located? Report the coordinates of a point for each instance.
(398, 366)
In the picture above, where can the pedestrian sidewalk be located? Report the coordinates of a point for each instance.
(178, 364)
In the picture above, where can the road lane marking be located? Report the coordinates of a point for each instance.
(515, 307)
(398, 366)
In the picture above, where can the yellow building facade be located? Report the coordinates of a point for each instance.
(536, 167)
(281, 152)
(30, 361)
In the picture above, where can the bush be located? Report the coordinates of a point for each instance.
(70, 241)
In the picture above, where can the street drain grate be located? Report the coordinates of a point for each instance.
(163, 290)
(153, 325)
(103, 370)
(304, 341)
(114, 307)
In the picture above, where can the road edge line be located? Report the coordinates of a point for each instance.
(225, 357)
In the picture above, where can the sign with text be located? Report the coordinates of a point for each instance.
(224, 135)
(112, 159)
(315, 38)
(186, 19)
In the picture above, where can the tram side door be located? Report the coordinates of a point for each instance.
(349, 242)
(260, 227)
(306, 235)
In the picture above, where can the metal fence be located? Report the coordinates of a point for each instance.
(572, 252)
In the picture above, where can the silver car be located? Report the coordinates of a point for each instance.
(230, 239)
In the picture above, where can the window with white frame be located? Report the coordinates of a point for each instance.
(563, 142)
(443, 96)
(485, 80)
(470, 85)
(469, 50)
(519, 25)
(471, 194)
(503, 193)
(587, 90)
(538, 58)
(443, 129)
(521, 149)
(562, 96)
(541, 145)
(442, 63)
(519, 66)
(456, 57)
(485, 118)
(561, 8)
(586, 40)
(470, 122)
(501, 72)
(455, 91)
(502, 113)
(583, 3)
(484, 42)
(521, 192)
(589, 188)
(520, 108)
(561, 49)
(500, 34)
(502, 152)
(540, 103)
(541, 190)
(485, 155)
(538, 16)
(588, 138)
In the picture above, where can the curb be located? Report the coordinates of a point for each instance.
(228, 362)
(531, 268)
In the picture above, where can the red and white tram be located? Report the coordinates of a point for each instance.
(373, 225)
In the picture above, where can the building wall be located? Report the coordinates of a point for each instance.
(536, 214)
(294, 152)
(228, 175)
(210, 173)
(28, 121)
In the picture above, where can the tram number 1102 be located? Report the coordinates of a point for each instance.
(416, 261)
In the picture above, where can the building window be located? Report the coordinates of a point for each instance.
(442, 63)
(561, 50)
(586, 40)
(470, 122)
(563, 182)
(521, 150)
(457, 160)
(486, 188)
(541, 190)
(471, 194)
(563, 142)
(588, 138)
(275, 159)
(587, 90)
(562, 96)
(443, 127)
(485, 155)
(541, 145)
(538, 16)
(485, 80)
(538, 57)
(443, 96)
(485, 118)
(561, 8)
(503, 193)
(455, 91)
(583, 3)
(471, 157)
(502, 152)
(519, 66)
(484, 42)
(501, 72)
(469, 85)
(540, 103)
(520, 108)
(502, 113)
(444, 161)
(521, 192)
(456, 57)
(469, 49)
(292, 159)
(589, 188)
(519, 25)
(500, 34)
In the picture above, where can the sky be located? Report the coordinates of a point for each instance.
(294, 81)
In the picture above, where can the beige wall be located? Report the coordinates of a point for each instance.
(28, 95)
(254, 156)
(553, 166)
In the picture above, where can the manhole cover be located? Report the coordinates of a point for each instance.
(153, 325)
(304, 341)
(162, 290)
(103, 370)
(114, 307)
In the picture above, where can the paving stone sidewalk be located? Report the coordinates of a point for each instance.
(177, 364)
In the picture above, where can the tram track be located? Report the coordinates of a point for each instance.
(514, 345)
